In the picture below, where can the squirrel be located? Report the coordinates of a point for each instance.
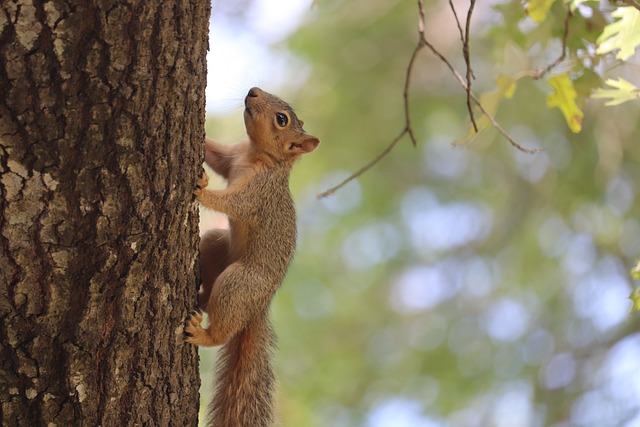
(241, 268)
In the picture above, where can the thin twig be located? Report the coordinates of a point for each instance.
(455, 15)
(492, 119)
(462, 82)
(365, 168)
(467, 60)
(633, 3)
(565, 36)
(502, 130)
(407, 107)
(475, 99)
(408, 129)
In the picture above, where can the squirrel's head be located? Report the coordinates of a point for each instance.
(273, 127)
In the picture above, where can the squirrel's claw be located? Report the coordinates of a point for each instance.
(201, 185)
(202, 182)
(192, 325)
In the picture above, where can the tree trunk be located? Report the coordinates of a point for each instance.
(101, 130)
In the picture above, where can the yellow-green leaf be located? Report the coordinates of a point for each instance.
(538, 9)
(506, 85)
(565, 99)
(622, 35)
(623, 92)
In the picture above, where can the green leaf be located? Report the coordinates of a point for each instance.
(564, 98)
(623, 92)
(506, 85)
(622, 35)
(538, 9)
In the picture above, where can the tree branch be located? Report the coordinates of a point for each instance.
(408, 129)
(462, 82)
(467, 60)
(407, 108)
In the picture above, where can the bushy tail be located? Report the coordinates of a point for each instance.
(245, 379)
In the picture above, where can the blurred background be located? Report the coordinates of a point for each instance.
(448, 286)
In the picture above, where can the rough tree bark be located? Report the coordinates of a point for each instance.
(101, 129)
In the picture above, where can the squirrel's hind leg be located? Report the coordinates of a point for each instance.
(232, 303)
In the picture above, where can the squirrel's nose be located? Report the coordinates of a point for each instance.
(253, 92)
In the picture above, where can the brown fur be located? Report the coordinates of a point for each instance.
(242, 268)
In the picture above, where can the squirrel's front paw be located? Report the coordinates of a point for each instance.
(201, 185)
(193, 326)
(203, 181)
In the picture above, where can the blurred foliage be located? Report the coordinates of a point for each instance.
(473, 286)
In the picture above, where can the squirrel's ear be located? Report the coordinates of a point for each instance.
(309, 144)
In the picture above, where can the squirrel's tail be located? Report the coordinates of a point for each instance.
(245, 379)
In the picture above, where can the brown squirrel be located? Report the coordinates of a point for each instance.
(241, 268)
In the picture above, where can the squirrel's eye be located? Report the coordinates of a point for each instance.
(282, 119)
